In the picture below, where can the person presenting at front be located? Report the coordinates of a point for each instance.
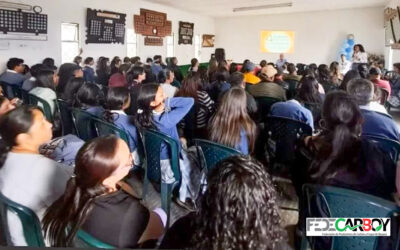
(359, 56)
(280, 62)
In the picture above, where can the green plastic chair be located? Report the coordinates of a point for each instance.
(85, 240)
(212, 152)
(30, 222)
(264, 105)
(105, 128)
(67, 122)
(291, 92)
(7, 90)
(153, 140)
(388, 146)
(24, 96)
(84, 124)
(37, 101)
(328, 87)
(16, 91)
(345, 203)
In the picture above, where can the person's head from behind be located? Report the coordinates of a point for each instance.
(358, 48)
(375, 74)
(190, 86)
(237, 80)
(174, 61)
(78, 60)
(16, 64)
(363, 70)
(323, 72)
(66, 72)
(248, 67)
(362, 90)
(291, 68)
(263, 63)
(166, 76)
(49, 63)
(157, 59)
(99, 165)
(149, 60)
(35, 69)
(89, 95)
(350, 75)
(5, 105)
(268, 73)
(102, 64)
(118, 98)
(231, 118)
(233, 68)
(334, 68)
(127, 60)
(137, 74)
(396, 67)
(135, 60)
(46, 78)
(194, 63)
(151, 97)
(71, 89)
(308, 91)
(124, 68)
(25, 128)
(89, 61)
(239, 209)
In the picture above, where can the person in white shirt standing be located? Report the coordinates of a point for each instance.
(281, 61)
(344, 64)
(359, 56)
(166, 78)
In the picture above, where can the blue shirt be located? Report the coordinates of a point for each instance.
(292, 109)
(95, 110)
(12, 78)
(156, 68)
(175, 110)
(88, 74)
(124, 122)
(379, 125)
(243, 145)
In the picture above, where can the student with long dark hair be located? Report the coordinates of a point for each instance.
(239, 210)
(134, 78)
(217, 88)
(89, 98)
(66, 72)
(103, 71)
(158, 112)
(46, 82)
(308, 91)
(340, 157)
(94, 201)
(72, 88)
(118, 100)
(350, 75)
(115, 63)
(27, 177)
(231, 125)
(359, 56)
(194, 65)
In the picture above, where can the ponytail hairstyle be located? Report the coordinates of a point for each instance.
(308, 91)
(230, 118)
(341, 134)
(117, 98)
(147, 94)
(95, 161)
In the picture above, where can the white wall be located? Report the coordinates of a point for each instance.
(318, 35)
(59, 11)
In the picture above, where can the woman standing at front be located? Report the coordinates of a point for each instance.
(359, 56)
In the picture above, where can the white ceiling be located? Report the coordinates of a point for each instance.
(221, 8)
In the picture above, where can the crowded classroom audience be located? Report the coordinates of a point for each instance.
(75, 184)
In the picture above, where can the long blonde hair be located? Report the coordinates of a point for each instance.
(230, 118)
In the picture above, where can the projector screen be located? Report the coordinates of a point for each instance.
(277, 41)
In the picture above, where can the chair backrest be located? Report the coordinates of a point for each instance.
(84, 124)
(328, 87)
(16, 91)
(388, 146)
(30, 222)
(214, 152)
(65, 117)
(282, 135)
(106, 128)
(384, 96)
(316, 109)
(24, 96)
(153, 141)
(85, 240)
(291, 92)
(7, 90)
(264, 105)
(37, 101)
(344, 203)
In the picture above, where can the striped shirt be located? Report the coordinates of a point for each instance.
(206, 108)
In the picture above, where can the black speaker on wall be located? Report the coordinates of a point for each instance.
(220, 54)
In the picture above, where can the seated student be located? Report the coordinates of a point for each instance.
(88, 71)
(13, 75)
(156, 65)
(134, 78)
(30, 83)
(231, 125)
(103, 71)
(192, 87)
(71, 89)
(194, 65)
(220, 86)
(49, 63)
(166, 78)
(118, 100)
(267, 87)
(293, 109)
(292, 74)
(114, 65)
(248, 72)
(340, 157)
(46, 82)
(27, 177)
(119, 79)
(94, 202)
(161, 113)
(375, 123)
(237, 80)
(239, 193)
(90, 98)
(66, 72)
(350, 75)
(308, 91)
(375, 75)
(173, 66)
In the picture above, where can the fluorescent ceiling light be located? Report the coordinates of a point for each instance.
(18, 6)
(269, 6)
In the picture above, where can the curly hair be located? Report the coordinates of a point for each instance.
(238, 210)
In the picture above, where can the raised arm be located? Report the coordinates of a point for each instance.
(175, 109)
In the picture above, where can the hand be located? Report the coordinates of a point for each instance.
(183, 142)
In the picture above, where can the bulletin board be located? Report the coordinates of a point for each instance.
(185, 33)
(152, 24)
(105, 27)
